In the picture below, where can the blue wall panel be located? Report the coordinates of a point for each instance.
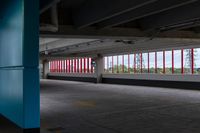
(19, 74)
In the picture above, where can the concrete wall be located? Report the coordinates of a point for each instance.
(183, 78)
(155, 80)
(73, 77)
(19, 75)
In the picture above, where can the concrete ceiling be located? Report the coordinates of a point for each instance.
(51, 44)
(89, 27)
(142, 14)
(92, 47)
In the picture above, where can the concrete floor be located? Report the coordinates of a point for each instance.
(75, 107)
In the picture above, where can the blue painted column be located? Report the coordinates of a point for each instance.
(19, 73)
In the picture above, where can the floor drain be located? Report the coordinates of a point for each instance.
(56, 130)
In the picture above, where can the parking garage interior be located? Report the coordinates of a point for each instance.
(103, 66)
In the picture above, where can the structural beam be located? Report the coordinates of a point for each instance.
(46, 4)
(116, 33)
(94, 11)
(113, 48)
(67, 31)
(150, 9)
(169, 18)
(62, 43)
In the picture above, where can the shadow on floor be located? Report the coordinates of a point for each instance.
(8, 127)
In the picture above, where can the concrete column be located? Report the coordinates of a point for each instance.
(45, 68)
(99, 68)
(19, 57)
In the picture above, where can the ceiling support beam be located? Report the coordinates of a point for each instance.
(172, 17)
(92, 32)
(94, 11)
(150, 9)
(113, 33)
(111, 47)
(53, 27)
(62, 43)
(47, 4)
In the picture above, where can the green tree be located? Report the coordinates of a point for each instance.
(188, 60)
